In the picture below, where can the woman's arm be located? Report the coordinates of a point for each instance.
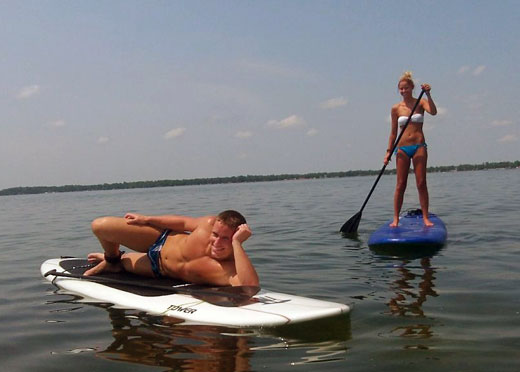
(393, 135)
(428, 104)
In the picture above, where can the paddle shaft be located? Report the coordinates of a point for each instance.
(392, 151)
(104, 280)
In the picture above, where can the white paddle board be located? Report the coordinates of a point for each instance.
(227, 306)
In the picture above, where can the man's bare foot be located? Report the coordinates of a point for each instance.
(102, 265)
(95, 257)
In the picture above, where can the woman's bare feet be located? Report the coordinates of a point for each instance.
(395, 222)
(427, 222)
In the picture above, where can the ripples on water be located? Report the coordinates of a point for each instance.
(455, 309)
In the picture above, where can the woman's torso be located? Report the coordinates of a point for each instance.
(413, 134)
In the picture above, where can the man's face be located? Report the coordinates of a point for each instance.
(220, 240)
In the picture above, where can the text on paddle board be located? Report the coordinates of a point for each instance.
(187, 310)
(268, 300)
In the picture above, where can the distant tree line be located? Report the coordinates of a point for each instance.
(242, 179)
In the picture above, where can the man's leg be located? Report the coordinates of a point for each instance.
(137, 263)
(113, 232)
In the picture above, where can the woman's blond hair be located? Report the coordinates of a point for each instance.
(407, 76)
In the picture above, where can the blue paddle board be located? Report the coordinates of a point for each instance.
(411, 232)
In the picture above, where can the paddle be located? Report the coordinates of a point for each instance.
(351, 226)
(235, 295)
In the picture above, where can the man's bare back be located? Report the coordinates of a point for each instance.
(211, 253)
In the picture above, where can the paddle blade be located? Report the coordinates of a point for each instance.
(351, 226)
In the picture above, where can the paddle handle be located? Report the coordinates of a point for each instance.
(393, 149)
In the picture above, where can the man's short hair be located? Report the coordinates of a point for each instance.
(231, 218)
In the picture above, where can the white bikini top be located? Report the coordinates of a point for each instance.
(416, 118)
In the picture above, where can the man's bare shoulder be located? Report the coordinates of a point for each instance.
(206, 222)
(201, 228)
(199, 223)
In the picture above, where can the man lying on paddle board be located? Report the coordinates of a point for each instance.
(202, 250)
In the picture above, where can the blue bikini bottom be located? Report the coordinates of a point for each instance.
(411, 150)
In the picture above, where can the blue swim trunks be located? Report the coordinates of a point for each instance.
(154, 253)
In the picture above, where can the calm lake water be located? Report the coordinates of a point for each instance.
(455, 310)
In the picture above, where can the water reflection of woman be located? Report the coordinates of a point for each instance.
(408, 303)
(404, 290)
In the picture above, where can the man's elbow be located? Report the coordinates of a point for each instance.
(247, 282)
(252, 283)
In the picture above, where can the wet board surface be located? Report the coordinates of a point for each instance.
(197, 304)
(410, 232)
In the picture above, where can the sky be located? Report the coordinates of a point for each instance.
(112, 91)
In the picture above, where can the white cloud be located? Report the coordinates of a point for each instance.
(428, 127)
(463, 69)
(333, 103)
(474, 101)
(57, 123)
(28, 91)
(243, 134)
(476, 71)
(508, 138)
(101, 140)
(479, 70)
(501, 123)
(312, 132)
(441, 111)
(289, 122)
(174, 133)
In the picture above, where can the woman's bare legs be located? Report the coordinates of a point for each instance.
(402, 165)
(419, 165)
